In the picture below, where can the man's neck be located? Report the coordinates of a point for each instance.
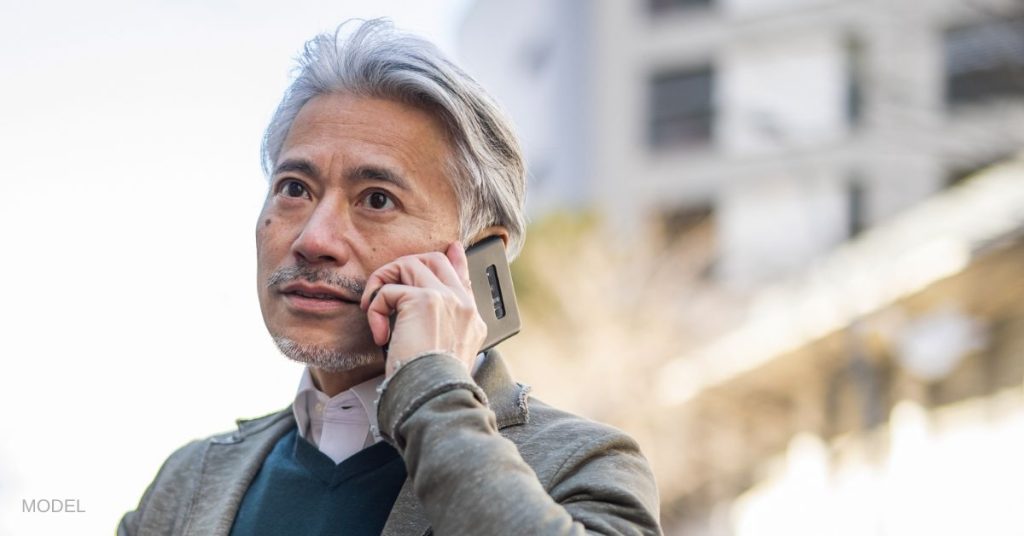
(332, 383)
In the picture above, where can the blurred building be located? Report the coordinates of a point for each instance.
(533, 56)
(880, 392)
(836, 155)
(822, 117)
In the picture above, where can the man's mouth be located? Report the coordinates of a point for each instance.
(316, 298)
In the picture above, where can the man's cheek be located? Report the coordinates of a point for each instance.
(263, 230)
(269, 242)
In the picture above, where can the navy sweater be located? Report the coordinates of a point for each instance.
(299, 490)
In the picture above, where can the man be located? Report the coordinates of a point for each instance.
(385, 160)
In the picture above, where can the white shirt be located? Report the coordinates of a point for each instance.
(339, 426)
(344, 424)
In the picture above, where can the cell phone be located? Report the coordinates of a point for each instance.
(492, 288)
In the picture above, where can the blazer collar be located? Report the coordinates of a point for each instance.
(508, 399)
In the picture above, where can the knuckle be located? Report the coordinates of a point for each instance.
(433, 295)
(427, 259)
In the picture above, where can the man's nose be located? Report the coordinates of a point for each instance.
(324, 238)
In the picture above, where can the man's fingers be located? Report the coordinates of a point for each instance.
(392, 298)
(378, 279)
(383, 303)
(387, 298)
(431, 296)
(448, 272)
(400, 271)
(428, 270)
(456, 254)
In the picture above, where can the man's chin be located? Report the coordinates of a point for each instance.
(327, 358)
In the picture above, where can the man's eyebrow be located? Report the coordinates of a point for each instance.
(298, 165)
(377, 173)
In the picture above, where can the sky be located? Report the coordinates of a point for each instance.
(129, 190)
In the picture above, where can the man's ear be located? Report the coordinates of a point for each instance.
(494, 230)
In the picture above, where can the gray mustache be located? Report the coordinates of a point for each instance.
(314, 275)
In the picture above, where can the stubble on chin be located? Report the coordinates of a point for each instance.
(324, 357)
(327, 358)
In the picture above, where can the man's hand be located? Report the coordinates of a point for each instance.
(436, 310)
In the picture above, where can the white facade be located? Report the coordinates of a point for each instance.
(787, 162)
(530, 56)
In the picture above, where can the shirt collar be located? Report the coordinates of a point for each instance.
(308, 395)
(365, 392)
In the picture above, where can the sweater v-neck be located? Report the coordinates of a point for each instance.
(323, 468)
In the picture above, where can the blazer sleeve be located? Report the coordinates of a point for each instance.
(472, 480)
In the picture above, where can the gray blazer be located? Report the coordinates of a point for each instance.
(482, 456)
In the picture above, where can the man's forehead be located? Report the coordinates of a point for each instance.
(396, 138)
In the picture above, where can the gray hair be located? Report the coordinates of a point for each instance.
(487, 169)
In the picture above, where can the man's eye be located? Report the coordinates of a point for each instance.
(293, 189)
(379, 201)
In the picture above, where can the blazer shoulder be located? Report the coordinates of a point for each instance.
(575, 458)
(190, 455)
(248, 427)
(545, 419)
(551, 438)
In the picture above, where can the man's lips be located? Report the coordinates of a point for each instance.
(316, 298)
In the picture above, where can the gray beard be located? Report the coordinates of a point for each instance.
(324, 358)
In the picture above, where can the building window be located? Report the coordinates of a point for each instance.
(854, 81)
(661, 6)
(985, 61)
(680, 110)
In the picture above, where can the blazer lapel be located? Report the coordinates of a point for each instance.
(229, 466)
